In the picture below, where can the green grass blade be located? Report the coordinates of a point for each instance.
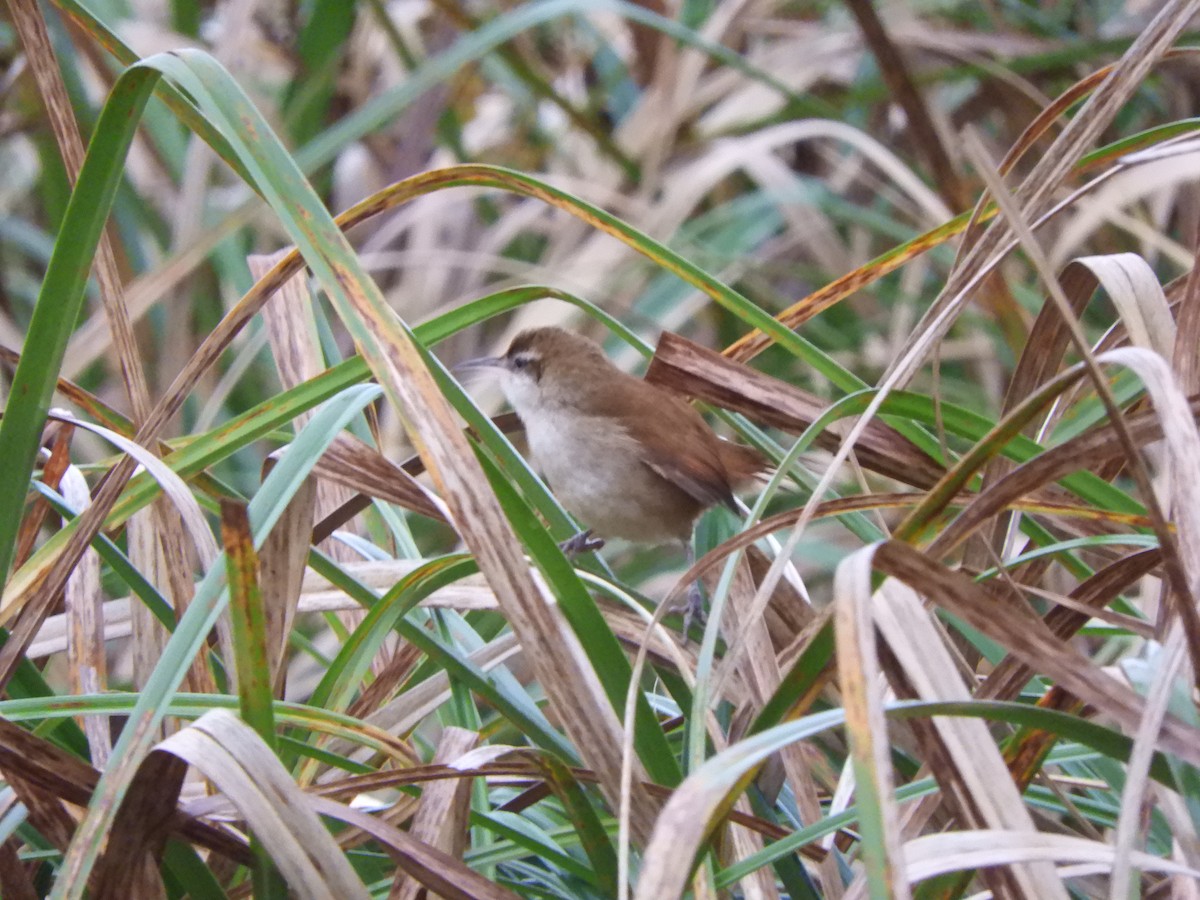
(61, 298)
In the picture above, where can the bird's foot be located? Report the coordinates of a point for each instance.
(584, 542)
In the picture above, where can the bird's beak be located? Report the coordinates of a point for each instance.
(474, 365)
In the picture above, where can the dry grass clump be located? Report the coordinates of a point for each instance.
(284, 610)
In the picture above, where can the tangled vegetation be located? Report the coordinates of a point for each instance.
(284, 610)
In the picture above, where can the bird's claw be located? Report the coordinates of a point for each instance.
(584, 542)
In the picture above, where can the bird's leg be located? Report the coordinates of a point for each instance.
(693, 610)
(584, 542)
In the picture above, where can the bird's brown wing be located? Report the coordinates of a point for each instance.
(696, 479)
(738, 466)
(742, 464)
(675, 441)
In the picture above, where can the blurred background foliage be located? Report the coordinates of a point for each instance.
(776, 147)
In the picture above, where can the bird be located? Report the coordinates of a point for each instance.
(627, 458)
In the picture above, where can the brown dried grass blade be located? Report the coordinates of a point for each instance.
(440, 873)
(292, 333)
(1184, 359)
(861, 683)
(441, 819)
(937, 854)
(904, 91)
(961, 752)
(235, 759)
(31, 28)
(83, 606)
(32, 607)
(95, 408)
(1181, 560)
(1026, 637)
(759, 669)
(148, 634)
(1011, 674)
(15, 882)
(282, 562)
(56, 774)
(1093, 449)
(693, 370)
(1134, 288)
(1135, 291)
(358, 467)
(132, 857)
(52, 472)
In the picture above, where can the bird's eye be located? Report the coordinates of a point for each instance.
(527, 365)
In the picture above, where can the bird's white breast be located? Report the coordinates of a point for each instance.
(596, 469)
(582, 457)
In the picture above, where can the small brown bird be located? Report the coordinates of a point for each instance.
(627, 458)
